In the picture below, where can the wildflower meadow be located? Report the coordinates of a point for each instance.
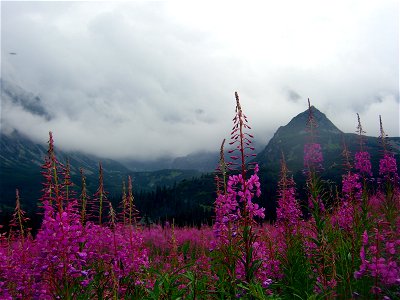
(340, 245)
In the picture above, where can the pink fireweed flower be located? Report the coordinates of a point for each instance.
(365, 237)
(343, 217)
(270, 268)
(363, 163)
(352, 193)
(379, 257)
(351, 187)
(388, 167)
(235, 187)
(313, 156)
(228, 206)
(225, 217)
(288, 210)
(312, 201)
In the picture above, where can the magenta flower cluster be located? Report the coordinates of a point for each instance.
(313, 156)
(363, 163)
(288, 212)
(351, 187)
(229, 207)
(379, 255)
(388, 168)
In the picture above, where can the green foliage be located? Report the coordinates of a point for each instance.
(166, 287)
(296, 268)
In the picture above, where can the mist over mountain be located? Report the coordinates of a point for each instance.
(12, 94)
(201, 161)
(20, 168)
(187, 192)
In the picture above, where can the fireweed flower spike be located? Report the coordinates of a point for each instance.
(99, 198)
(346, 157)
(124, 204)
(51, 187)
(321, 254)
(389, 179)
(312, 151)
(242, 140)
(312, 156)
(83, 198)
(19, 221)
(225, 205)
(313, 164)
(362, 162)
(221, 171)
(360, 133)
(133, 213)
(235, 210)
(363, 167)
(347, 214)
(388, 164)
(288, 211)
(383, 137)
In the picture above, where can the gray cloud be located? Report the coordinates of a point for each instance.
(149, 79)
(293, 95)
(27, 101)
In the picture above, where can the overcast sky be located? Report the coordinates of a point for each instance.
(145, 79)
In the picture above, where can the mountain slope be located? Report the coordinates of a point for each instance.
(20, 167)
(289, 140)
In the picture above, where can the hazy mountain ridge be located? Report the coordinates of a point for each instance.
(20, 168)
(24, 152)
(200, 161)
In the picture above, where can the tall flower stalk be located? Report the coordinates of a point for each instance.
(52, 196)
(99, 198)
(83, 198)
(389, 176)
(235, 210)
(362, 165)
(321, 253)
(288, 211)
(313, 164)
(133, 213)
(18, 222)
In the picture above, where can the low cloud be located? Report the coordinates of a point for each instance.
(149, 79)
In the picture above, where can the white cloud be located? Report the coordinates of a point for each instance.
(153, 78)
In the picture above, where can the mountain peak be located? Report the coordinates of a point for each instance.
(298, 125)
(290, 139)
